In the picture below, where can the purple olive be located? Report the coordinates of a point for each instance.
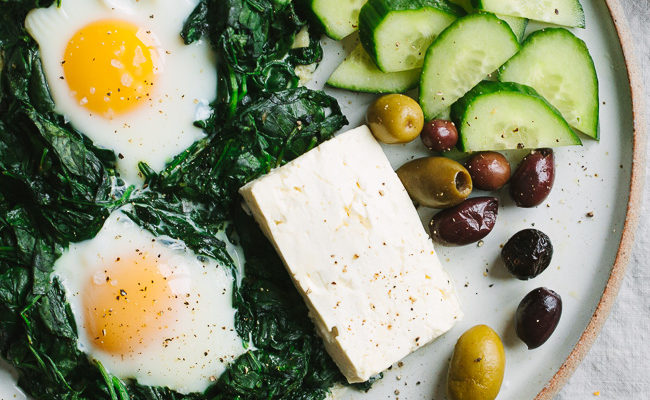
(537, 316)
(489, 170)
(439, 135)
(527, 254)
(466, 223)
(533, 180)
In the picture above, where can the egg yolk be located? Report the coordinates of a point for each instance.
(110, 66)
(132, 303)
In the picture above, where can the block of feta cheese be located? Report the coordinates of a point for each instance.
(353, 243)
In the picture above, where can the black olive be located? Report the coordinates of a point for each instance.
(533, 180)
(439, 135)
(489, 170)
(537, 316)
(528, 253)
(466, 223)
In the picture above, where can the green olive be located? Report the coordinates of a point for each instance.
(395, 118)
(436, 182)
(477, 366)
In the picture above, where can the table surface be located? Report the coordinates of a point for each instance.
(618, 365)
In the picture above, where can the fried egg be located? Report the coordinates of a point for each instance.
(148, 308)
(120, 73)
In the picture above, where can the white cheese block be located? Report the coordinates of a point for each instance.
(356, 249)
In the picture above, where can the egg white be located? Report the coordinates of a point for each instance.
(185, 82)
(196, 348)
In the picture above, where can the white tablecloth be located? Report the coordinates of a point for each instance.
(618, 365)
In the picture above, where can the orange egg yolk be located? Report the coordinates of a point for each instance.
(110, 67)
(131, 304)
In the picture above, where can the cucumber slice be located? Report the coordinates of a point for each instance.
(465, 4)
(339, 18)
(558, 65)
(397, 33)
(506, 116)
(517, 24)
(359, 73)
(559, 12)
(463, 55)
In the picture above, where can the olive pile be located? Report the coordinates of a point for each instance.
(440, 182)
(478, 363)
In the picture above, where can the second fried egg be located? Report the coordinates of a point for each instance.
(148, 308)
(119, 71)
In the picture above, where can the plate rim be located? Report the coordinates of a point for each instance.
(637, 180)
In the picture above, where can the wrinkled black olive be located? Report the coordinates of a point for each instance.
(537, 316)
(466, 223)
(533, 180)
(528, 253)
